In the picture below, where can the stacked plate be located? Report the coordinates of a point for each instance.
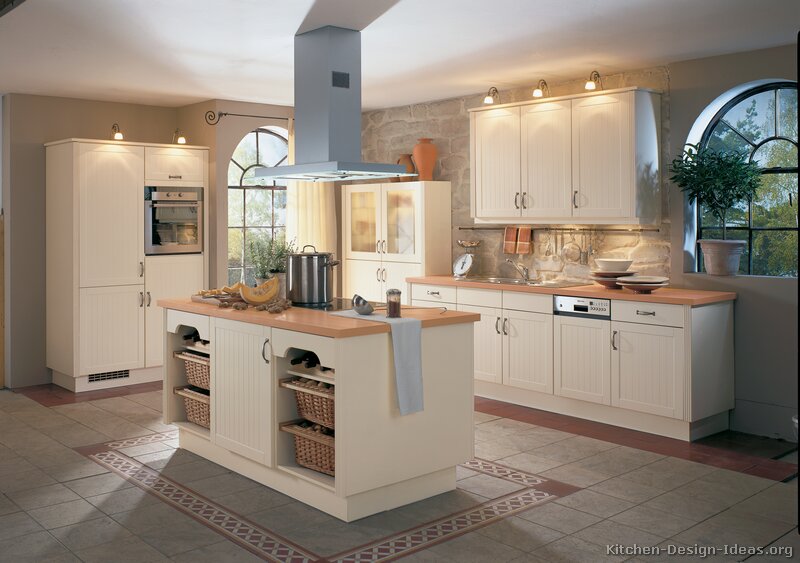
(611, 269)
(642, 284)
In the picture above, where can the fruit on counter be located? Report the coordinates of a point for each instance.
(232, 289)
(227, 290)
(262, 294)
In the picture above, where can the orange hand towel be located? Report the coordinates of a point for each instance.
(510, 240)
(524, 245)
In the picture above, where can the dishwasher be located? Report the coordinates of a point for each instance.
(582, 347)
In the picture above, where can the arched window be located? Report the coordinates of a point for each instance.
(256, 207)
(760, 123)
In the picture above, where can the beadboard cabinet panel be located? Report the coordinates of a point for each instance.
(497, 163)
(174, 166)
(488, 343)
(582, 367)
(528, 349)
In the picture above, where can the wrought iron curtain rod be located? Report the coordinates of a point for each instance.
(212, 118)
(572, 230)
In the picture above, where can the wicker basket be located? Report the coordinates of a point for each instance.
(198, 372)
(198, 406)
(313, 403)
(312, 449)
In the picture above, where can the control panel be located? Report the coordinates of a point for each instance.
(581, 306)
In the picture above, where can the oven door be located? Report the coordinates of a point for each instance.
(173, 227)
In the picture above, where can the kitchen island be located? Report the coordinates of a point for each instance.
(370, 457)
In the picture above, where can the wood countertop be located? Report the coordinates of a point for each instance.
(668, 295)
(321, 323)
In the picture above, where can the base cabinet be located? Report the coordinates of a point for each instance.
(488, 343)
(528, 350)
(582, 367)
(242, 400)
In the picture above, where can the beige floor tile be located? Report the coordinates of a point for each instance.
(548, 435)
(29, 479)
(225, 551)
(179, 537)
(34, 547)
(573, 449)
(654, 521)
(328, 537)
(488, 486)
(90, 533)
(7, 506)
(75, 470)
(625, 489)
(17, 524)
(42, 496)
(123, 500)
(282, 519)
(493, 451)
(253, 500)
(520, 533)
(575, 475)
(65, 514)
(560, 518)
(464, 473)
(476, 548)
(729, 528)
(530, 462)
(171, 458)
(143, 449)
(522, 442)
(151, 399)
(440, 505)
(687, 507)
(571, 549)
(619, 460)
(126, 550)
(594, 503)
(221, 485)
(609, 532)
(75, 434)
(193, 471)
(507, 426)
(778, 502)
(98, 484)
(483, 417)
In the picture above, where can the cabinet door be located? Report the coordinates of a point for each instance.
(241, 389)
(647, 369)
(111, 328)
(401, 222)
(364, 278)
(111, 202)
(547, 160)
(582, 354)
(166, 276)
(172, 165)
(488, 343)
(528, 350)
(603, 155)
(496, 158)
(394, 277)
(361, 210)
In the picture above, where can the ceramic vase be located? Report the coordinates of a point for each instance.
(721, 257)
(424, 153)
(405, 160)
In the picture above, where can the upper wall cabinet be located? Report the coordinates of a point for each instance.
(164, 166)
(591, 159)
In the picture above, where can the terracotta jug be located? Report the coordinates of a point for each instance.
(405, 160)
(425, 158)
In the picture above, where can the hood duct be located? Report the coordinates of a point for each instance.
(327, 110)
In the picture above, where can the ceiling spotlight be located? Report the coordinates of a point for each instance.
(541, 89)
(594, 81)
(116, 134)
(491, 95)
(178, 138)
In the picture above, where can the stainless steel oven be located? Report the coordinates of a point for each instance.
(173, 220)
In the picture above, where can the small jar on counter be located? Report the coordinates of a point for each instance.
(393, 303)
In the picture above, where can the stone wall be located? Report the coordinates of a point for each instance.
(388, 133)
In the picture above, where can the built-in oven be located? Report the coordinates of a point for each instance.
(173, 220)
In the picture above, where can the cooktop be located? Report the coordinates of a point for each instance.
(338, 304)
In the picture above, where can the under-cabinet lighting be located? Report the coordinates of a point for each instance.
(116, 134)
(178, 138)
(491, 95)
(594, 81)
(540, 90)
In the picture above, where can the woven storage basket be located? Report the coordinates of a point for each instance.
(198, 372)
(314, 404)
(312, 449)
(198, 406)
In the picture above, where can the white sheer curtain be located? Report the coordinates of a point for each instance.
(310, 210)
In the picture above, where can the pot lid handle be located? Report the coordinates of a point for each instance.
(312, 246)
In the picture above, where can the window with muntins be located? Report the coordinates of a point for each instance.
(256, 207)
(760, 123)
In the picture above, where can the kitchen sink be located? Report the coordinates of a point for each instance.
(519, 281)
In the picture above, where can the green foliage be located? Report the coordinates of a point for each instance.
(270, 256)
(717, 180)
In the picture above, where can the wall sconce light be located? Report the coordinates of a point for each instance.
(594, 81)
(491, 95)
(116, 134)
(178, 138)
(541, 90)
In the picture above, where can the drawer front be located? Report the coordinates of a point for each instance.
(480, 297)
(438, 293)
(647, 313)
(530, 302)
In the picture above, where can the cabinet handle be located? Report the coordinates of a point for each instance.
(516, 200)
(149, 299)
(646, 313)
(613, 337)
(433, 292)
(378, 246)
(175, 177)
(378, 274)
(524, 197)
(496, 327)
(505, 326)
(264, 350)
(384, 247)
(383, 275)
(574, 199)
(141, 299)
(141, 269)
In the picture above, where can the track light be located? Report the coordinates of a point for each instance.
(491, 95)
(116, 134)
(594, 81)
(178, 138)
(541, 90)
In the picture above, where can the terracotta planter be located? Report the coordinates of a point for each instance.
(721, 257)
(405, 160)
(425, 158)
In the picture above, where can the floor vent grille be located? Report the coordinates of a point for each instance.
(105, 376)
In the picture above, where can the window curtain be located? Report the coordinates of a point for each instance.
(310, 210)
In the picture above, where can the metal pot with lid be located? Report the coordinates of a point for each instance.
(309, 277)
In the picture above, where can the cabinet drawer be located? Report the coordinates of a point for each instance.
(168, 164)
(480, 297)
(531, 302)
(647, 313)
(438, 293)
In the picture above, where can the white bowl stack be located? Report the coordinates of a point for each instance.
(609, 270)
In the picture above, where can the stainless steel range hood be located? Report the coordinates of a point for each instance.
(327, 109)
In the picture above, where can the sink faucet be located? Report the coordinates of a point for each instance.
(523, 271)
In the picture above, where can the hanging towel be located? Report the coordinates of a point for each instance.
(524, 245)
(510, 240)
(407, 346)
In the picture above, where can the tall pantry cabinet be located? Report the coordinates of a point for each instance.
(103, 326)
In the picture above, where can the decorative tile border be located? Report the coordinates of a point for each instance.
(503, 472)
(141, 440)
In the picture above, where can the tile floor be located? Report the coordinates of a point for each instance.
(100, 479)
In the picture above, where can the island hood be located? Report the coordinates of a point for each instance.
(327, 112)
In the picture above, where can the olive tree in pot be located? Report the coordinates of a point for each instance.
(269, 258)
(719, 181)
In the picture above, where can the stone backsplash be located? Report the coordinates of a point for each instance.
(388, 133)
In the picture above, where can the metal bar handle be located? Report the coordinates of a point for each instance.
(384, 247)
(141, 269)
(505, 326)
(383, 275)
(524, 197)
(378, 274)
(574, 199)
(149, 299)
(496, 323)
(175, 177)
(264, 349)
(177, 204)
(613, 337)
(429, 292)
(516, 200)
(378, 246)
(646, 313)
(141, 299)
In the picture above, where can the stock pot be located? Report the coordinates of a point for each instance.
(309, 277)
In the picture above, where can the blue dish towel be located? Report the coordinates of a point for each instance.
(407, 345)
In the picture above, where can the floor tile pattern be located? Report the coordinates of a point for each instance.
(503, 472)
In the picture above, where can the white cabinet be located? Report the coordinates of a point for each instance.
(242, 401)
(528, 350)
(488, 337)
(166, 276)
(648, 371)
(111, 321)
(591, 158)
(582, 366)
(391, 232)
(166, 166)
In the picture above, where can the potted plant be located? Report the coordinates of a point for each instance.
(719, 181)
(269, 259)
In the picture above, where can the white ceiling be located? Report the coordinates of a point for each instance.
(175, 52)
